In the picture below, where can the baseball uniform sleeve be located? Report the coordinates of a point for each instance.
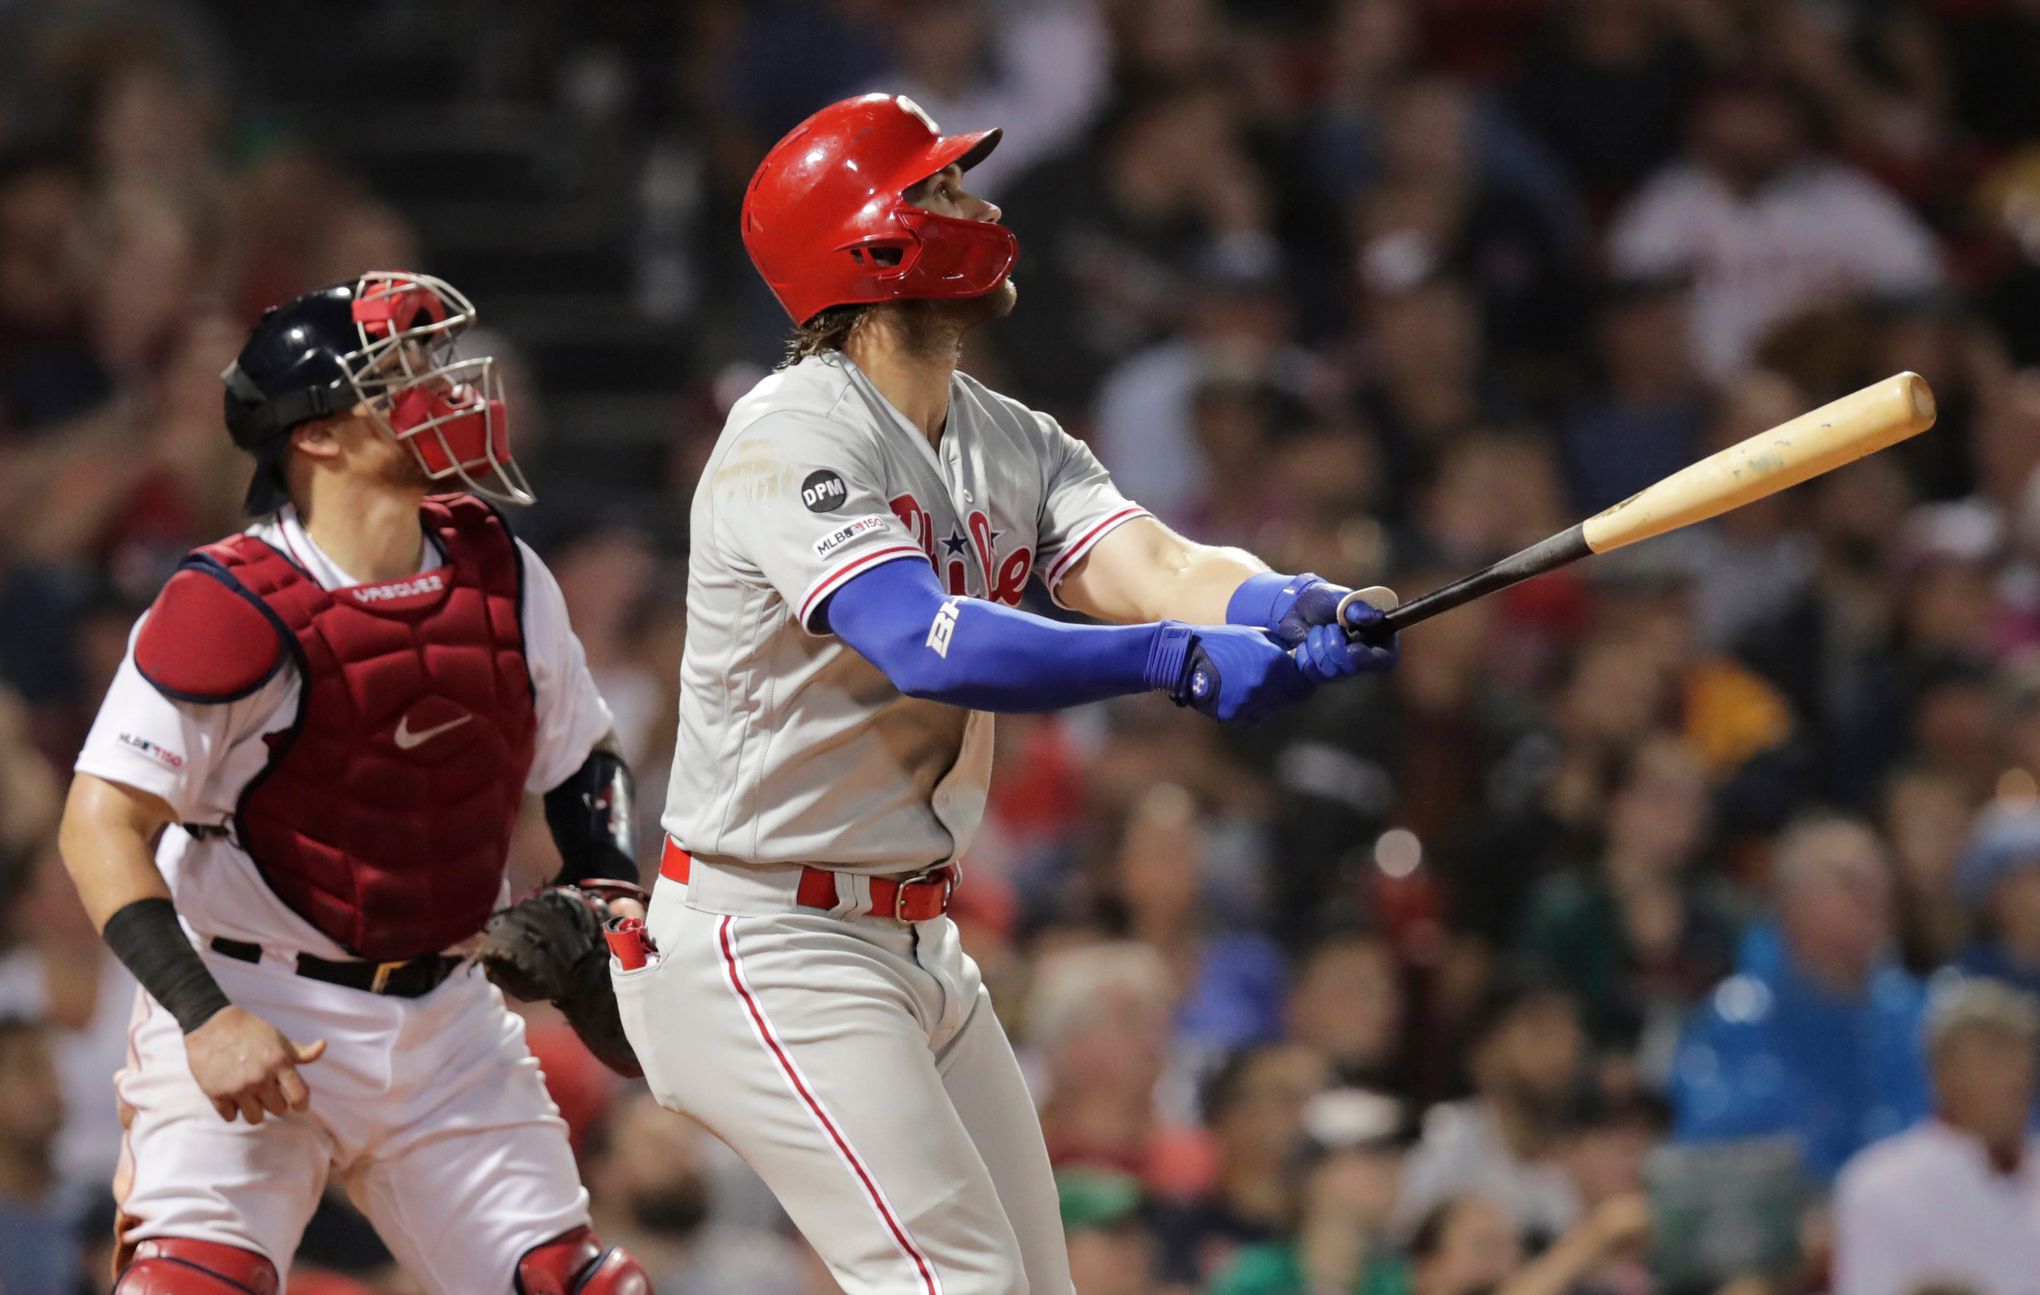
(798, 506)
(1079, 504)
(172, 749)
(572, 716)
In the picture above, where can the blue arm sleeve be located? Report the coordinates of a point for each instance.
(969, 652)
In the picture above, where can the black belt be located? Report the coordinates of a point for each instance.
(412, 978)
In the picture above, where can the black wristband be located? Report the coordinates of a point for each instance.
(146, 936)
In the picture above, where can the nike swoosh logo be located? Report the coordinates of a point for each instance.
(406, 739)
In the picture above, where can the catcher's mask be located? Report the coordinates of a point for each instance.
(387, 342)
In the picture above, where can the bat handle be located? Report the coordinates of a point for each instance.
(1546, 555)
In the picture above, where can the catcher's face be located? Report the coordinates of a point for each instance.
(445, 410)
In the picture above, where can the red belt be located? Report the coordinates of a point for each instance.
(922, 897)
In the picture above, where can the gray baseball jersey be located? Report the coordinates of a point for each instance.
(792, 747)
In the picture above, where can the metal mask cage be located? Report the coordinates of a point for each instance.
(409, 326)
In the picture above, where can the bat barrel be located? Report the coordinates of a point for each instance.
(1841, 431)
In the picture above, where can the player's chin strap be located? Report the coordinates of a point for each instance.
(576, 1263)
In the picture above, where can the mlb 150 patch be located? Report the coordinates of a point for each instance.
(160, 754)
(836, 539)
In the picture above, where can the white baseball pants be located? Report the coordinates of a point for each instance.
(431, 1109)
(856, 1064)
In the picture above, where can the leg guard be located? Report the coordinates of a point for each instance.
(577, 1263)
(175, 1266)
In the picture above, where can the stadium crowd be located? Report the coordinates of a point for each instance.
(1620, 941)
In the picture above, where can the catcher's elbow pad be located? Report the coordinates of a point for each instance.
(590, 818)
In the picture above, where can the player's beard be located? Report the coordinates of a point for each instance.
(937, 328)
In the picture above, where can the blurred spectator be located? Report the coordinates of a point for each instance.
(1097, 1024)
(1955, 1200)
(1523, 1050)
(1468, 1246)
(1926, 816)
(1104, 1218)
(1254, 1106)
(1606, 87)
(1646, 932)
(48, 371)
(1165, 889)
(1765, 225)
(1462, 195)
(1235, 333)
(1348, 1165)
(1817, 1033)
(1346, 1003)
(1035, 69)
(1644, 419)
(38, 1249)
(652, 1194)
(1999, 879)
(55, 969)
(1118, 231)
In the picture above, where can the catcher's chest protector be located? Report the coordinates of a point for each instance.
(384, 814)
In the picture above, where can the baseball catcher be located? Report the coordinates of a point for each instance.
(295, 806)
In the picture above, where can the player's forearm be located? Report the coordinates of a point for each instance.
(589, 816)
(978, 654)
(1197, 585)
(105, 840)
(1143, 571)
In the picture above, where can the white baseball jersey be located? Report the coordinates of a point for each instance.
(792, 747)
(1820, 232)
(197, 757)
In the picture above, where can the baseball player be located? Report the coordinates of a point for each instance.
(861, 538)
(298, 797)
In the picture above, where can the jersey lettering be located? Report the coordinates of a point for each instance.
(945, 625)
(1004, 580)
(428, 583)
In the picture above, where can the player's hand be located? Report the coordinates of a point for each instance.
(1237, 674)
(1331, 651)
(247, 1067)
(1317, 601)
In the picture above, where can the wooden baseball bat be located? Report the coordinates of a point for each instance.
(1842, 431)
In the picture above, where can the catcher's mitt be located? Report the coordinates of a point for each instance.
(550, 946)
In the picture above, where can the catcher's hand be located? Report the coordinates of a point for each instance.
(550, 947)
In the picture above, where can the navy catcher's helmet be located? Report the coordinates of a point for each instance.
(385, 341)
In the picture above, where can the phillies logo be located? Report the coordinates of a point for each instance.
(1004, 579)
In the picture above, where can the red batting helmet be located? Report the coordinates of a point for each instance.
(825, 222)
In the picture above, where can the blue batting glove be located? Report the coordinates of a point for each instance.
(1286, 606)
(1234, 674)
(1327, 654)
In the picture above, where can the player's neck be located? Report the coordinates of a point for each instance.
(913, 379)
(369, 530)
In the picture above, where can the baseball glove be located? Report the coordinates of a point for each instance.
(550, 947)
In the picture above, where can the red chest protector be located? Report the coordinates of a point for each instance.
(384, 814)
